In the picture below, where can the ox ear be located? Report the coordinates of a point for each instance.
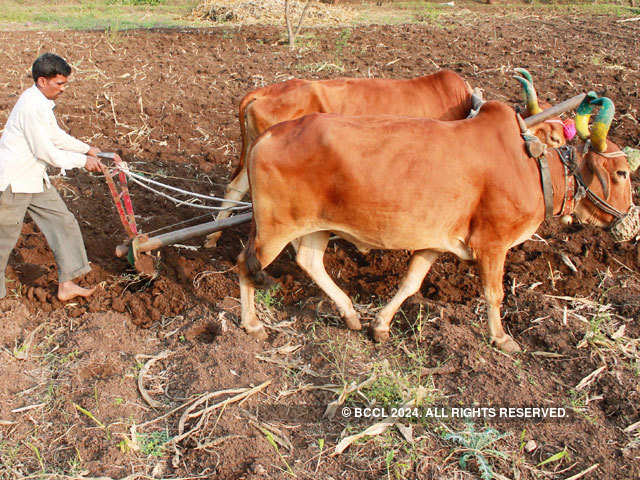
(595, 164)
(583, 113)
(531, 97)
(602, 123)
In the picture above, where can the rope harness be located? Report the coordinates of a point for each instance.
(625, 226)
(124, 205)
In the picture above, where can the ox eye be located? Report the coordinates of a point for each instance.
(622, 173)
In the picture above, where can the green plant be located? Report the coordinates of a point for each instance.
(477, 445)
(133, 2)
(274, 444)
(388, 460)
(113, 34)
(578, 402)
(555, 457)
(36, 452)
(9, 454)
(385, 391)
(341, 43)
(153, 443)
(269, 297)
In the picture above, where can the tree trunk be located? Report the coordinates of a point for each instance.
(287, 17)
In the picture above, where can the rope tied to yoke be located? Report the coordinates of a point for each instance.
(144, 182)
(124, 205)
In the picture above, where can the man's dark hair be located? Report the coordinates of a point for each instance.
(49, 65)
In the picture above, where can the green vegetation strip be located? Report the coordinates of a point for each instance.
(117, 15)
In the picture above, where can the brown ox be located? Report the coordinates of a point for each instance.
(465, 187)
(443, 95)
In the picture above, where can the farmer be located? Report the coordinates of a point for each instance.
(31, 140)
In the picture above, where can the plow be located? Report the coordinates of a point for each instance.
(138, 246)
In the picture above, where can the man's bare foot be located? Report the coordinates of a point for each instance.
(69, 290)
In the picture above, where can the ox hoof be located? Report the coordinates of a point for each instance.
(353, 322)
(507, 344)
(258, 332)
(380, 334)
(212, 240)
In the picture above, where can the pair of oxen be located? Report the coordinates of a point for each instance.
(403, 165)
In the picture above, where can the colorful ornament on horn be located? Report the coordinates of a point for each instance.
(602, 123)
(583, 114)
(531, 97)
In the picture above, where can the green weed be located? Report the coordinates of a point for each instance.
(98, 14)
(274, 444)
(478, 445)
(9, 455)
(133, 2)
(36, 452)
(578, 402)
(153, 443)
(269, 297)
(342, 42)
(385, 391)
(555, 457)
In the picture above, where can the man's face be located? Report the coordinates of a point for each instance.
(52, 87)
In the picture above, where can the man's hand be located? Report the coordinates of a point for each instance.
(93, 151)
(93, 164)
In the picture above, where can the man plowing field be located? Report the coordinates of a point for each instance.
(32, 140)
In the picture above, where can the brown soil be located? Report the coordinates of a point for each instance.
(167, 101)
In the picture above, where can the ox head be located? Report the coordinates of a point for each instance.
(606, 173)
(553, 132)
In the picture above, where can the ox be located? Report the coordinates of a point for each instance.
(442, 96)
(465, 187)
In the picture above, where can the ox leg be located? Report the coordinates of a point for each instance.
(236, 190)
(419, 266)
(310, 252)
(491, 273)
(254, 258)
(249, 320)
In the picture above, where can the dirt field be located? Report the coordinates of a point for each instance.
(167, 101)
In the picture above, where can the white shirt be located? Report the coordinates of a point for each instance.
(31, 140)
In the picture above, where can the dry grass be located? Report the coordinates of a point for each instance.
(270, 12)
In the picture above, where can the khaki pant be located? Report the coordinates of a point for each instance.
(56, 222)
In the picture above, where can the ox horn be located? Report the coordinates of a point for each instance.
(525, 73)
(583, 113)
(602, 123)
(531, 97)
(554, 111)
(599, 130)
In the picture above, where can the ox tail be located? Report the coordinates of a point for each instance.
(244, 131)
(253, 266)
